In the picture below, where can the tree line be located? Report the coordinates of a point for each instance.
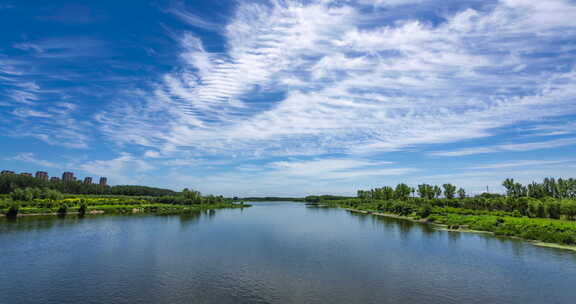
(552, 198)
(11, 182)
(404, 192)
(549, 187)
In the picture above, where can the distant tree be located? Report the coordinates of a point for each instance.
(461, 193)
(192, 196)
(449, 191)
(402, 192)
(23, 195)
(509, 185)
(436, 192)
(536, 190)
(428, 191)
(387, 193)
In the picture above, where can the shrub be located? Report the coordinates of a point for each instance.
(13, 209)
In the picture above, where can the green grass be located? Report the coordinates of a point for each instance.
(499, 222)
(545, 230)
(107, 204)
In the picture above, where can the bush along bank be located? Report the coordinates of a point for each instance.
(544, 212)
(36, 201)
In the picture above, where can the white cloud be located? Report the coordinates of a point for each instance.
(180, 10)
(182, 162)
(293, 177)
(521, 163)
(562, 142)
(152, 154)
(352, 88)
(125, 169)
(335, 168)
(30, 113)
(31, 110)
(30, 158)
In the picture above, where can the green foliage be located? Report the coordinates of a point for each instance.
(508, 223)
(426, 191)
(82, 208)
(13, 209)
(461, 193)
(541, 211)
(49, 201)
(449, 191)
(402, 192)
(24, 195)
(537, 200)
(62, 209)
(192, 196)
(545, 230)
(10, 182)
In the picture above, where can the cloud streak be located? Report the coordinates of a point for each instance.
(313, 78)
(549, 144)
(31, 158)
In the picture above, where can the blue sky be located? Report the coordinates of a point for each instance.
(290, 97)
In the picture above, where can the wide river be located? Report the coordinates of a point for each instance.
(271, 253)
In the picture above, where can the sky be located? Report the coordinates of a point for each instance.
(290, 97)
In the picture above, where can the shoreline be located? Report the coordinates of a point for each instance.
(93, 212)
(445, 228)
(133, 211)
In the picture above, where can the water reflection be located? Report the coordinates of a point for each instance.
(36, 223)
(272, 253)
(196, 217)
(407, 229)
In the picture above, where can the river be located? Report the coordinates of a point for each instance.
(271, 253)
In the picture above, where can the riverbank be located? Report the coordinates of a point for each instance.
(461, 228)
(160, 209)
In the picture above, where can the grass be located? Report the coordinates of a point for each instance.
(498, 222)
(106, 205)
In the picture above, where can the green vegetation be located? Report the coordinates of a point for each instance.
(268, 199)
(48, 201)
(10, 182)
(540, 211)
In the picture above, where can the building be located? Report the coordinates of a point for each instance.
(42, 175)
(103, 181)
(54, 179)
(68, 176)
(7, 172)
(87, 181)
(26, 174)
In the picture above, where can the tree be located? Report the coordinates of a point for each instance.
(363, 195)
(520, 190)
(536, 190)
(402, 192)
(192, 196)
(509, 185)
(568, 208)
(436, 192)
(449, 191)
(387, 193)
(23, 195)
(461, 193)
(553, 210)
(50, 194)
(428, 192)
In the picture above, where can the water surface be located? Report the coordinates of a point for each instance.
(271, 253)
